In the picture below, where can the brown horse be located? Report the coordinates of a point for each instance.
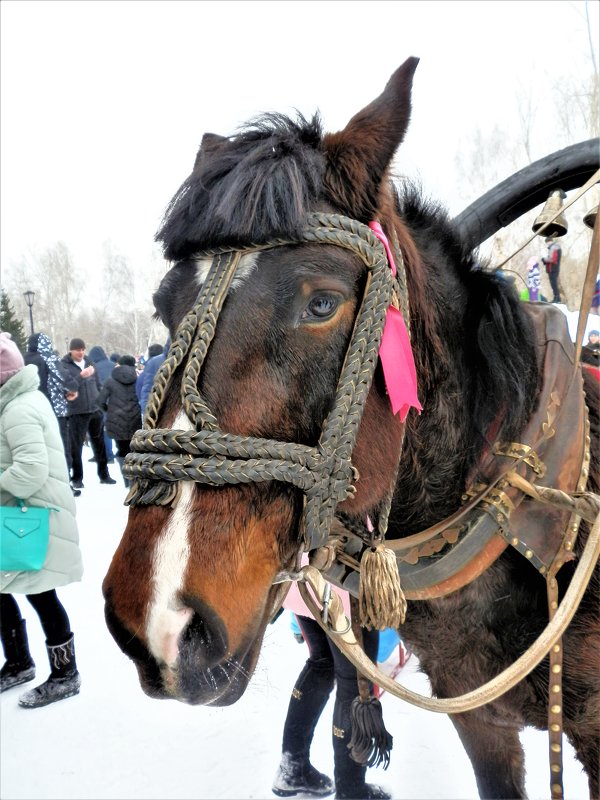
(211, 529)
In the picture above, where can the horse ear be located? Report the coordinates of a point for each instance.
(358, 156)
(211, 142)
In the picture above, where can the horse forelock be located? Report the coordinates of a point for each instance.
(256, 185)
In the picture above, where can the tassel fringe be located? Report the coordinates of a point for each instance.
(370, 744)
(146, 493)
(381, 600)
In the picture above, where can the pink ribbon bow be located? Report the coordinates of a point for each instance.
(395, 351)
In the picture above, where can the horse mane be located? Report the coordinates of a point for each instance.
(489, 356)
(254, 186)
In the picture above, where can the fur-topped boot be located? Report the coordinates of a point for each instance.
(350, 777)
(295, 774)
(19, 667)
(64, 680)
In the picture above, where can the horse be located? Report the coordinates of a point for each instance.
(254, 450)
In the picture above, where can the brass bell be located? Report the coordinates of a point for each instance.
(590, 217)
(559, 226)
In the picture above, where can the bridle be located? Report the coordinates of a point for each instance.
(160, 458)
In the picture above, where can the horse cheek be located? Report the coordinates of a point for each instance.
(375, 455)
(127, 585)
(232, 569)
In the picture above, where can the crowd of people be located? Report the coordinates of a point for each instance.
(49, 407)
(97, 400)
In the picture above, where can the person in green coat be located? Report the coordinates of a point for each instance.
(33, 468)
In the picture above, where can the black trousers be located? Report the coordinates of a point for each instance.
(324, 668)
(63, 426)
(123, 447)
(553, 278)
(79, 426)
(51, 612)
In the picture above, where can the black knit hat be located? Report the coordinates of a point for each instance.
(155, 350)
(126, 361)
(32, 343)
(76, 344)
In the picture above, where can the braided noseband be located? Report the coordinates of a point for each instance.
(160, 458)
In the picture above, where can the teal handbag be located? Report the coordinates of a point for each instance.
(24, 533)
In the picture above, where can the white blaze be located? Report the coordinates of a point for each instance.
(244, 269)
(167, 617)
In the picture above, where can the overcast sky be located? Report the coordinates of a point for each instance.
(104, 102)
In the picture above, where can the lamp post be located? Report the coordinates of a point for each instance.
(29, 295)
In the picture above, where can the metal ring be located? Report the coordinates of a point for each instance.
(345, 630)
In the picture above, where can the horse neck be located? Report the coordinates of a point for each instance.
(440, 445)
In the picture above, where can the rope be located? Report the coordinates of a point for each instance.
(207, 455)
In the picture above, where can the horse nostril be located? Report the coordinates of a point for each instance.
(204, 638)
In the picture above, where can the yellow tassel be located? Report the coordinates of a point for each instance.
(380, 597)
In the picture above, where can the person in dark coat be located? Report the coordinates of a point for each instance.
(153, 350)
(55, 382)
(149, 372)
(104, 367)
(119, 400)
(84, 415)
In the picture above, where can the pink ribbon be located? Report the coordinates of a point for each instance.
(395, 351)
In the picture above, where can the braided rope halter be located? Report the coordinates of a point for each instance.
(161, 458)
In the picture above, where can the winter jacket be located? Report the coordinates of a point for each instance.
(118, 398)
(104, 366)
(88, 388)
(150, 370)
(55, 381)
(33, 469)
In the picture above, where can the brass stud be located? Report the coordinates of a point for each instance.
(555, 689)
(568, 545)
(553, 583)
(554, 604)
(556, 648)
(556, 668)
(557, 789)
(556, 709)
(555, 767)
(555, 728)
(528, 554)
(514, 542)
(556, 748)
(542, 570)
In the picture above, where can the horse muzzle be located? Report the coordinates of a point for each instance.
(194, 667)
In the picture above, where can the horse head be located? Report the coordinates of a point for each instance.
(193, 583)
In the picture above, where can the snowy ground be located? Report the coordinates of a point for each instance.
(112, 741)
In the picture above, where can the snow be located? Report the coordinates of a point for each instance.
(111, 741)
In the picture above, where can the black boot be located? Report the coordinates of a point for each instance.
(295, 773)
(19, 667)
(126, 482)
(64, 680)
(349, 776)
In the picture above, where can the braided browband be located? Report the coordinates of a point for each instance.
(160, 458)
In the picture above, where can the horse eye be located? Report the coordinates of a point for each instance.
(320, 307)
